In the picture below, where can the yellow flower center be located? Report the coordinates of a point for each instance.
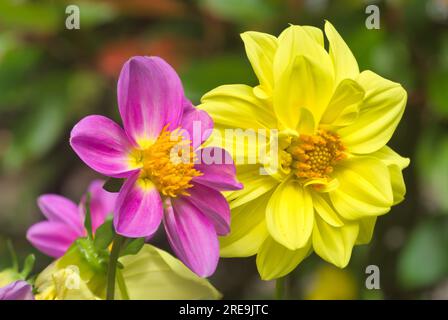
(313, 156)
(168, 164)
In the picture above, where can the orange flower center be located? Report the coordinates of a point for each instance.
(313, 156)
(168, 163)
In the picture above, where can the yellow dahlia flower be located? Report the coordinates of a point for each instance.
(335, 173)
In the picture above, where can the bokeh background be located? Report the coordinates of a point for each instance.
(51, 77)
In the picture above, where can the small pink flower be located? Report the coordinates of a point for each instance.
(65, 219)
(185, 196)
(18, 290)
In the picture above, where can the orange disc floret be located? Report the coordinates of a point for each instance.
(169, 163)
(313, 156)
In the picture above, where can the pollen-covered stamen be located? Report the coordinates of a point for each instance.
(313, 156)
(169, 163)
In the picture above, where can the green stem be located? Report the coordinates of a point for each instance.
(122, 286)
(112, 268)
(88, 217)
(280, 288)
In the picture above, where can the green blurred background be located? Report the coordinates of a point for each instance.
(51, 77)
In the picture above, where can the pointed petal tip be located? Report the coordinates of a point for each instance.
(150, 95)
(52, 238)
(102, 144)
(204, 272)
(192, 237)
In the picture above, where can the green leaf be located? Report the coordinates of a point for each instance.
(104, 234)
(89, 252)
(132, 246)
(85, 255)
(113, 184)
(91, 262)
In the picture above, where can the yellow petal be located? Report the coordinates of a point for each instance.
(398, 185)
(275, 261)
(379, 114)
(150, 274)
(315, 33)
(254, 184)
(247, 229)
(9, 276)
(396, 164)
(70, 286)
(260, 49)
(155, 274)
(325, 185)
(334, 244)
(236, 106)
(263, 94)
(390, 157)
(290, 214)
(343, 107)
(307, 124)
(366, 227)
(325, 210)
(303, 85)
(303, 75)
(300, 41)
(238, 115)
(345, 65)
(63, 283)
(364, 188)
(244, 145)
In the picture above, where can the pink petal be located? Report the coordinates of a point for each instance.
(213, 205)
(197, 123)
(52, 238)
(102, 203)
(218, 169)
(18, 290)
(60, 209)
(138, 211)
(192, 236)
(150, 96)
(103, 145)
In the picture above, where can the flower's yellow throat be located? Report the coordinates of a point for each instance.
(168, 164)
(313, 156)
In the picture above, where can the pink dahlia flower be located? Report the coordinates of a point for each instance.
(18, 290)
(65, 219)
(157, 119)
